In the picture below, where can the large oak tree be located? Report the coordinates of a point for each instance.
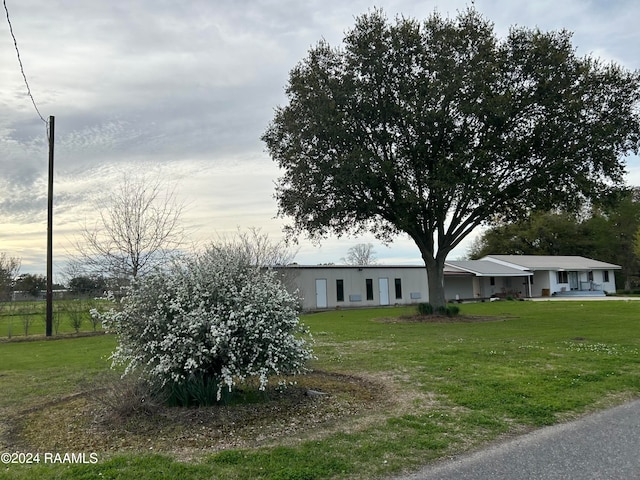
(434, 128)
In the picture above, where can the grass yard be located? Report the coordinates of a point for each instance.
(401, 394)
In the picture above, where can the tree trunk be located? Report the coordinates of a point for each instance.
(435, 279)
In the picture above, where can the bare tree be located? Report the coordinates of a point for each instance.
(77, 311)
(136, 229)
(258, 248)
(9, 268)
(27, 314)
(361, 254)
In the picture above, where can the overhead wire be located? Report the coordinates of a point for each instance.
(24, 75)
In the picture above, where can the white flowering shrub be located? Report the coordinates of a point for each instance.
(212, 319)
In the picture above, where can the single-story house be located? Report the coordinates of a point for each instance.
(335, 286)
(558, 275)
(477, 279)
(20, 296)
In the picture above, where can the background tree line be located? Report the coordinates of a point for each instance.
(9, 268)
(609, 233)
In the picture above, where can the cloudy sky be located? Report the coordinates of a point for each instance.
(186, 89)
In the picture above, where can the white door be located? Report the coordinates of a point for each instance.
(321, 293)
(383, 289)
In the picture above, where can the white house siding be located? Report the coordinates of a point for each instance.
(586, 273)
(489, 278)
(317, 285)
(607, 286)
(492, 286)
(541, 283)
(310, 282)
(473, 287)
(461, 287)
(584, 283)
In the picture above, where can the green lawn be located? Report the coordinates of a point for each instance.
(452, 386)
(36, 372)
(24, 319)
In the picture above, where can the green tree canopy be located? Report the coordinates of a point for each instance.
(607, 233)
(435, 128)
(31, 284)
(542, 233)
(88, 285)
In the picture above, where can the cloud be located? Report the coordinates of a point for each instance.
(188, 88)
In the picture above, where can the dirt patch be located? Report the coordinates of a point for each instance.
(318, 404)
(441, 319)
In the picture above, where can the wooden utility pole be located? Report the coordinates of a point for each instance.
(49, 320)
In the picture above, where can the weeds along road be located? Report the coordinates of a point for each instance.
(604, 445)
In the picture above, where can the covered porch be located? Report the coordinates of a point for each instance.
(578, 283)
(479, 280)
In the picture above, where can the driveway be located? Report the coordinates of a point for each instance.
(601, 446)
(583, 299)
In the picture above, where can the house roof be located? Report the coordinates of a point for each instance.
(550, 262)
(358, 267)
(483, 268)
(478, 268)
(491, 265)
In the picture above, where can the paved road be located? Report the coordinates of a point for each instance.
(584, 299)
(602, 446)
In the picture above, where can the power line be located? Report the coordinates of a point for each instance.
(50, 131)
(15, 42)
